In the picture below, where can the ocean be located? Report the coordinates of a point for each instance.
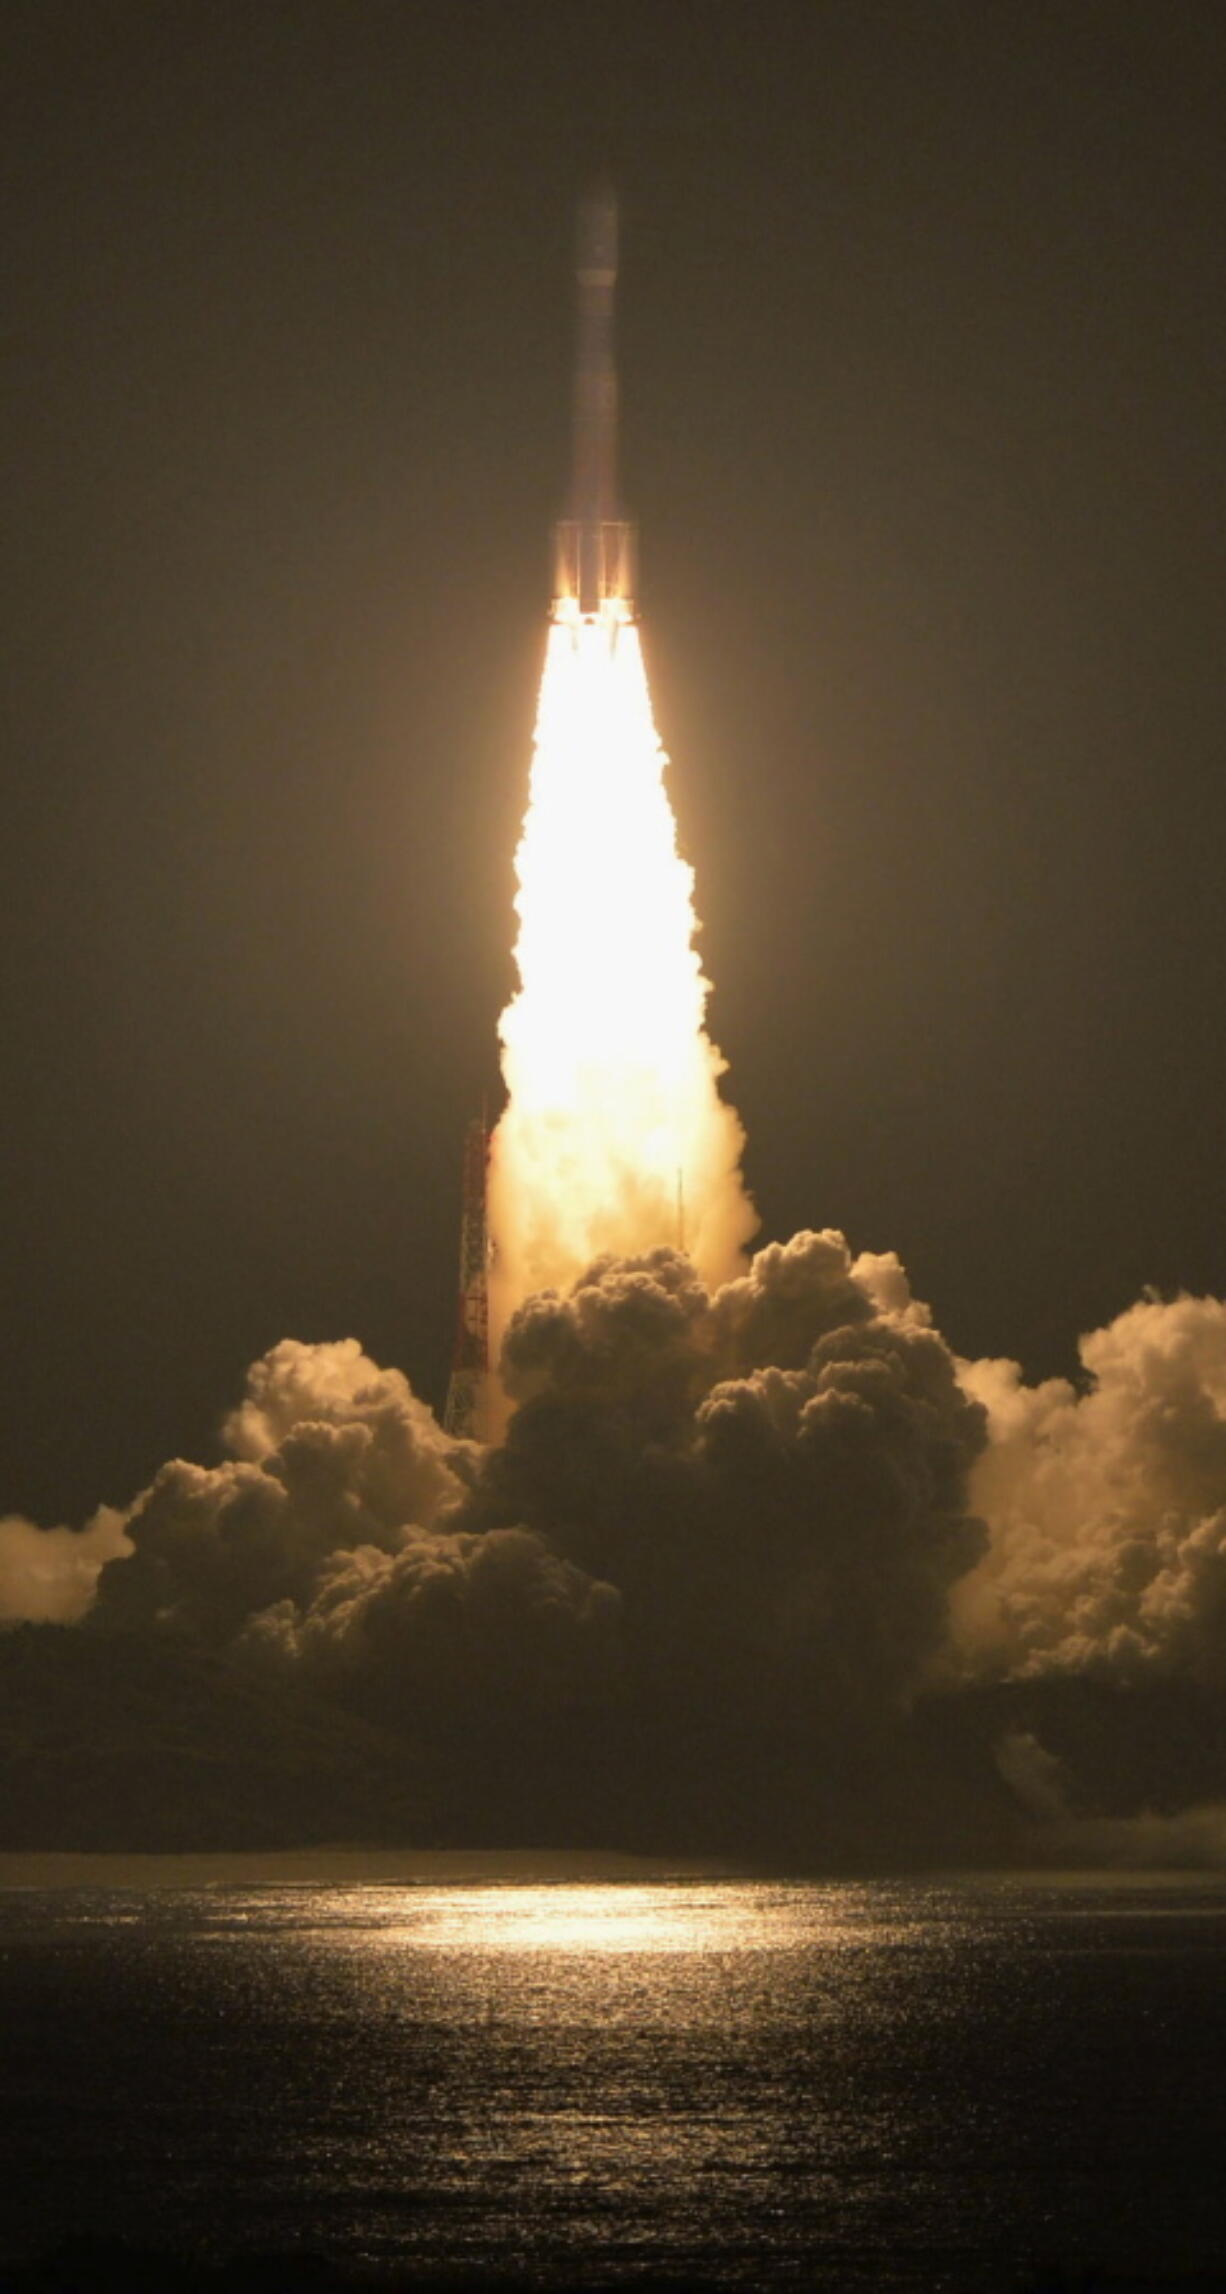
(957, 2083)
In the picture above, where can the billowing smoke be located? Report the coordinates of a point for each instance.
(756, 1566)
(1107, 1506)
(721, 1531)
(50, 1576)
(615, 1137)
(330, 1455)
(448, 1627)
(773, 1475)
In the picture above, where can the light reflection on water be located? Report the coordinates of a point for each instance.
(559, 1917)
(752, 2083)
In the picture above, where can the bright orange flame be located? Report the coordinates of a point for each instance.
(615, 1137)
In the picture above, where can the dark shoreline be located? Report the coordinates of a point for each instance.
(371, 1867)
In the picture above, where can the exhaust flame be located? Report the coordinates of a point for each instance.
(615, 1137)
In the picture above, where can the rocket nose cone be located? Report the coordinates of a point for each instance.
(596, 247)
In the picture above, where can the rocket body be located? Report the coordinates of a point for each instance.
(593, 543)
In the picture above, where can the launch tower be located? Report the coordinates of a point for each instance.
(471, 1359)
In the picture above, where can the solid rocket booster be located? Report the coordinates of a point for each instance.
(593, 543)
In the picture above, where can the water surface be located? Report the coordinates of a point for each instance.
(954, 2084)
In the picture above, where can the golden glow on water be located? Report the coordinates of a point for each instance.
(614, 1137)
(565, 1920)
(579, 1919)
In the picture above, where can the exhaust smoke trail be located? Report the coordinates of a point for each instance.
(615, 1138)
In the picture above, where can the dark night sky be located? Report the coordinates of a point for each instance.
(922, 351)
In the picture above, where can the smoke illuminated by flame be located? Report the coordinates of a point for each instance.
(615, 1137)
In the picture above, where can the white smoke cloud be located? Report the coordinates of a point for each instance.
(773, 1473)
(746, 1504)
(1107, 1507)
(50, 1576)
(332, 1453)
(449, 1625)
(732, 1534)
(335, 1384)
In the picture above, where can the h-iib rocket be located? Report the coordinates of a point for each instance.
(594, 543)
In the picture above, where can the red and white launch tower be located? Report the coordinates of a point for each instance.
(471, 1360)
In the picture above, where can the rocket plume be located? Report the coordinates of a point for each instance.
(614, 1137)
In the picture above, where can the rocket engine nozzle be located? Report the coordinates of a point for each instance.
(593, 543)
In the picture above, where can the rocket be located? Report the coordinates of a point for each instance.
(594, 543)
